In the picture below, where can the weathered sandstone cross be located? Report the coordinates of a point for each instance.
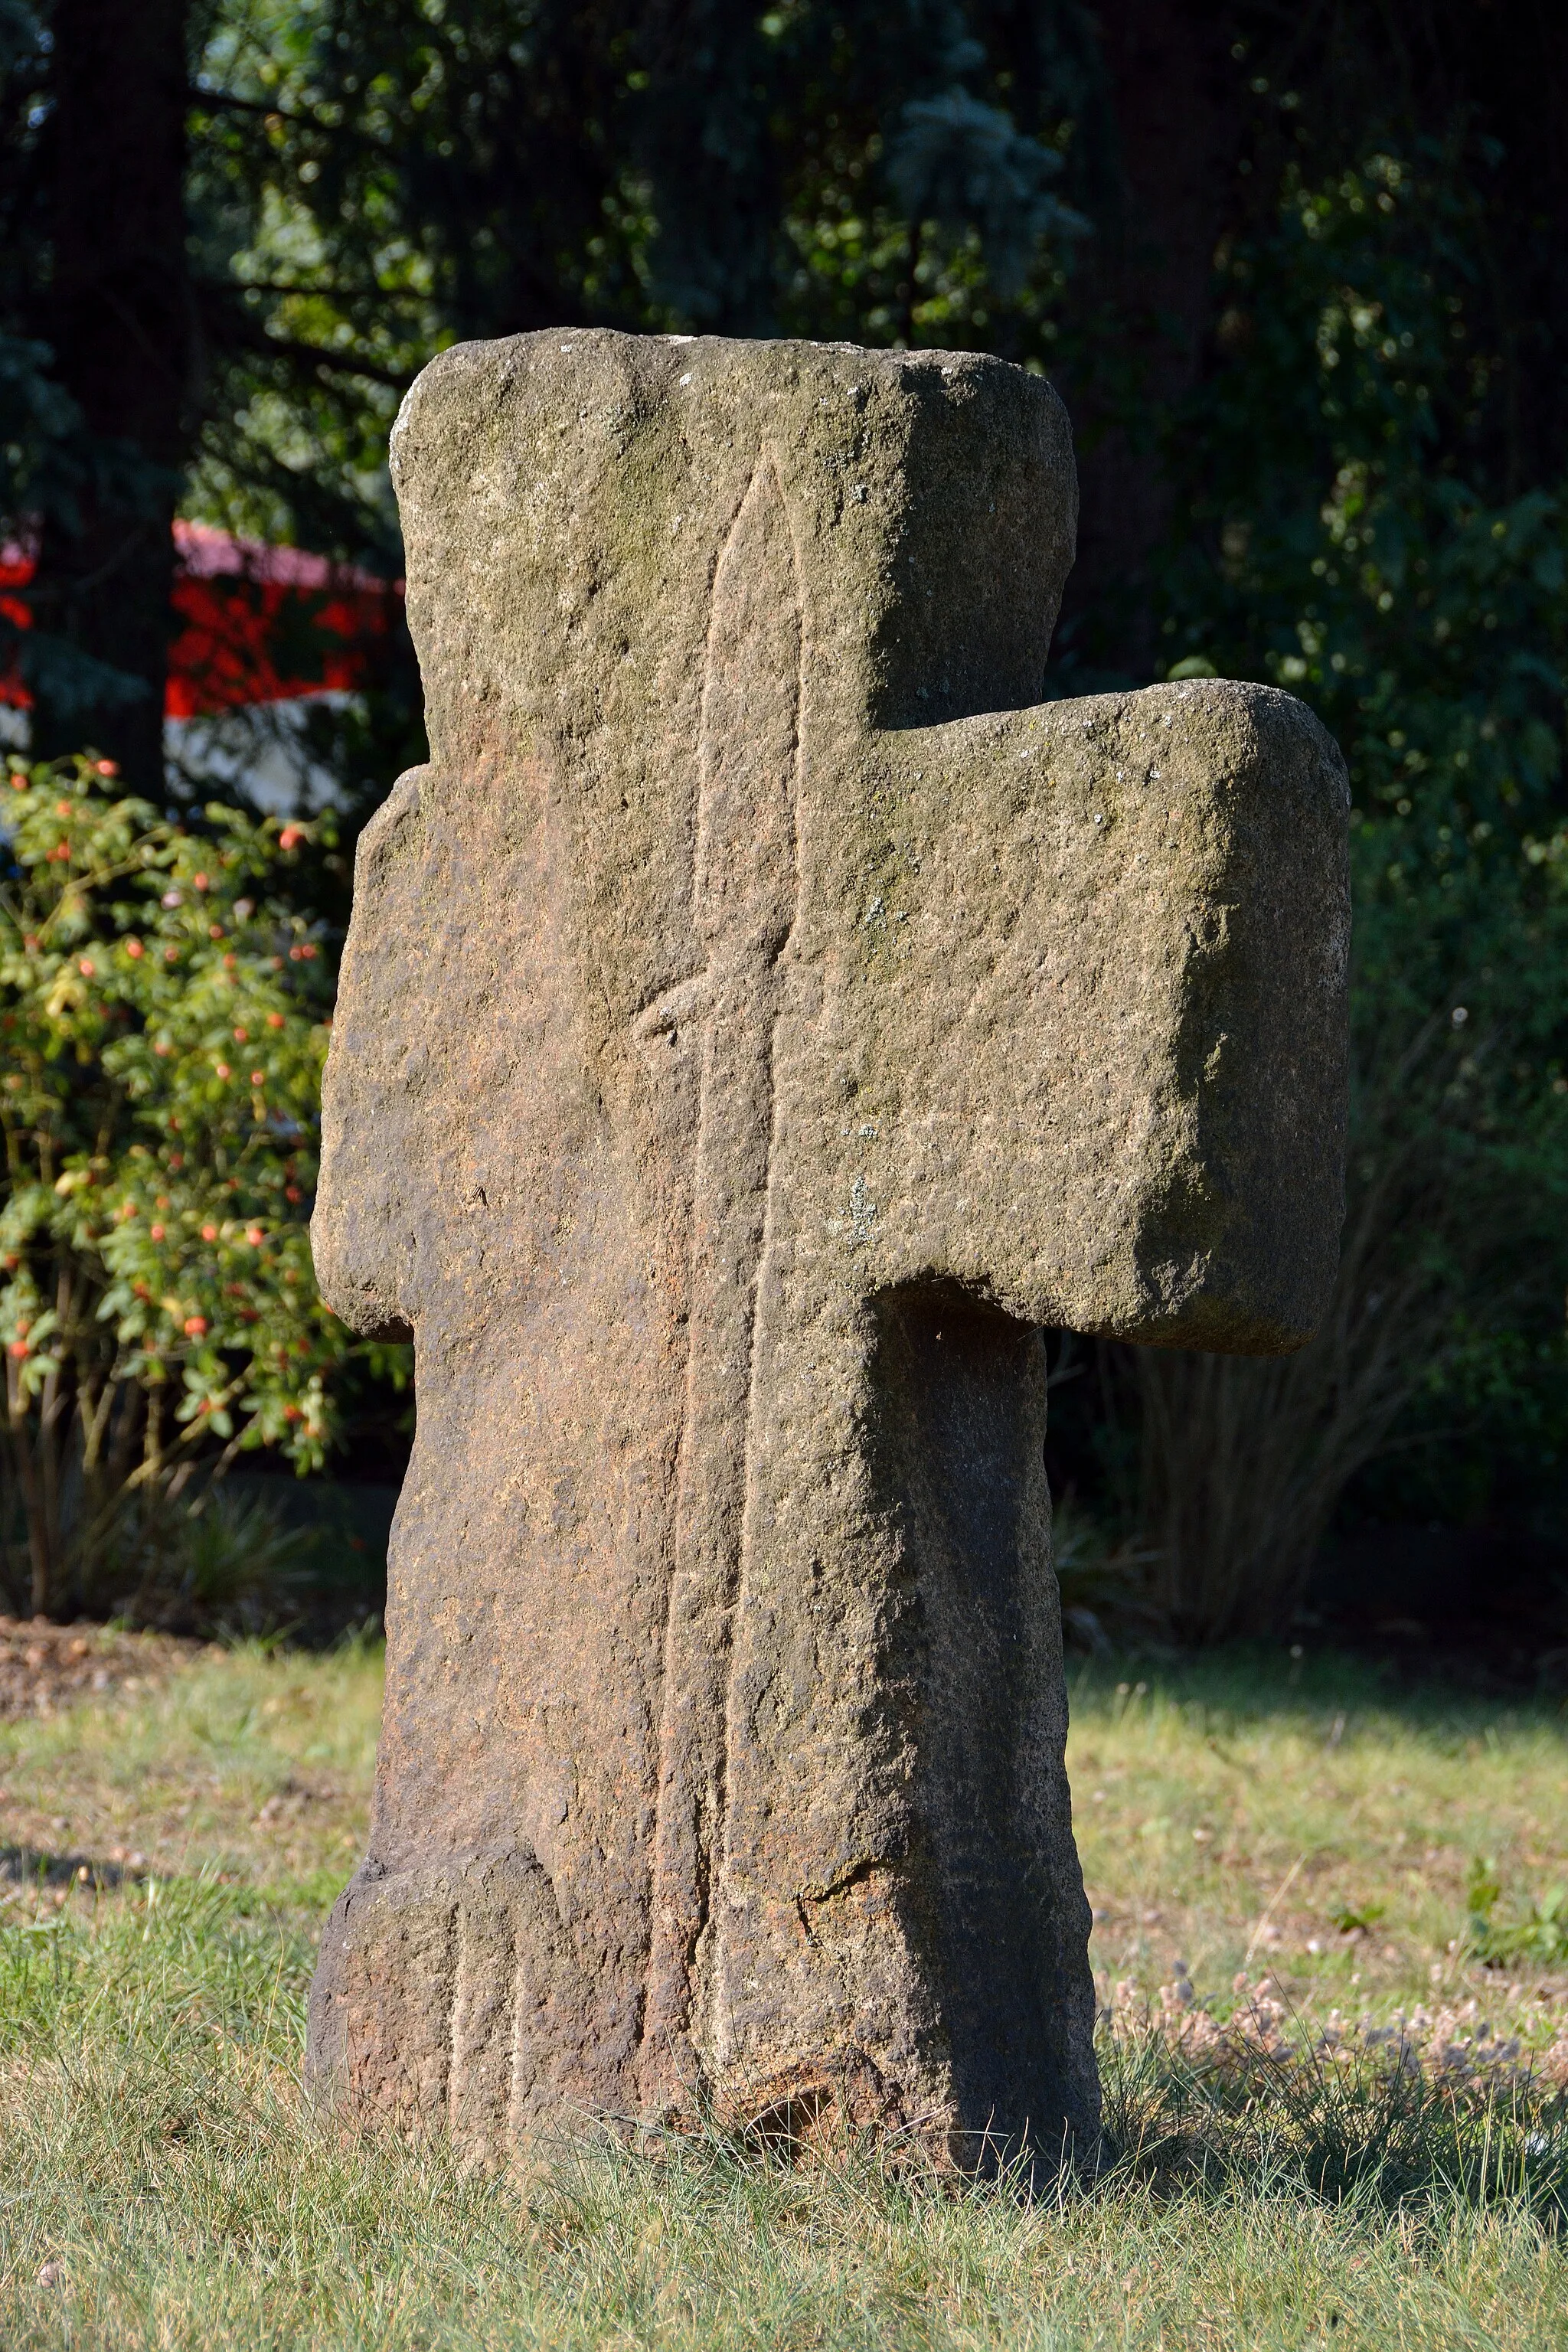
(760, 1018)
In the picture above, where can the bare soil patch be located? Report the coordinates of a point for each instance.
(44, 1666)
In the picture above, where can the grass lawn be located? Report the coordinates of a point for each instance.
(163, 2183)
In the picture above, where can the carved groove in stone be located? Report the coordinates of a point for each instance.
(483, 2027)
(746, 886)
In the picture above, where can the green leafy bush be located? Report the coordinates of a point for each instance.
(164, 1023)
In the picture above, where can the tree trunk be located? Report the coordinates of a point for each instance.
(122, 334)
(1140, 300)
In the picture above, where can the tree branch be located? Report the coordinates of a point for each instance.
(226, 101)
(247, 335)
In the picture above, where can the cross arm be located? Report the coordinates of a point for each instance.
(361, 1235)
(1085, 1015)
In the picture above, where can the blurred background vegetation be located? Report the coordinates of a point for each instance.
(1301, 274)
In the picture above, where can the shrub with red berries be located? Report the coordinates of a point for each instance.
(164, 1023)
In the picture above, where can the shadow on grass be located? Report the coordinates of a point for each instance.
(1385, 2130)
(1241, 1683)
(1381, 2134)
(37, 1866)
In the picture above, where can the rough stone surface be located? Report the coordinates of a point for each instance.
(760, 1017)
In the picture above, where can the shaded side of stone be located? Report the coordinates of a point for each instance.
(958, 1467)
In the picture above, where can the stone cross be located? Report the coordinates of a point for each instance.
(761, 1017)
